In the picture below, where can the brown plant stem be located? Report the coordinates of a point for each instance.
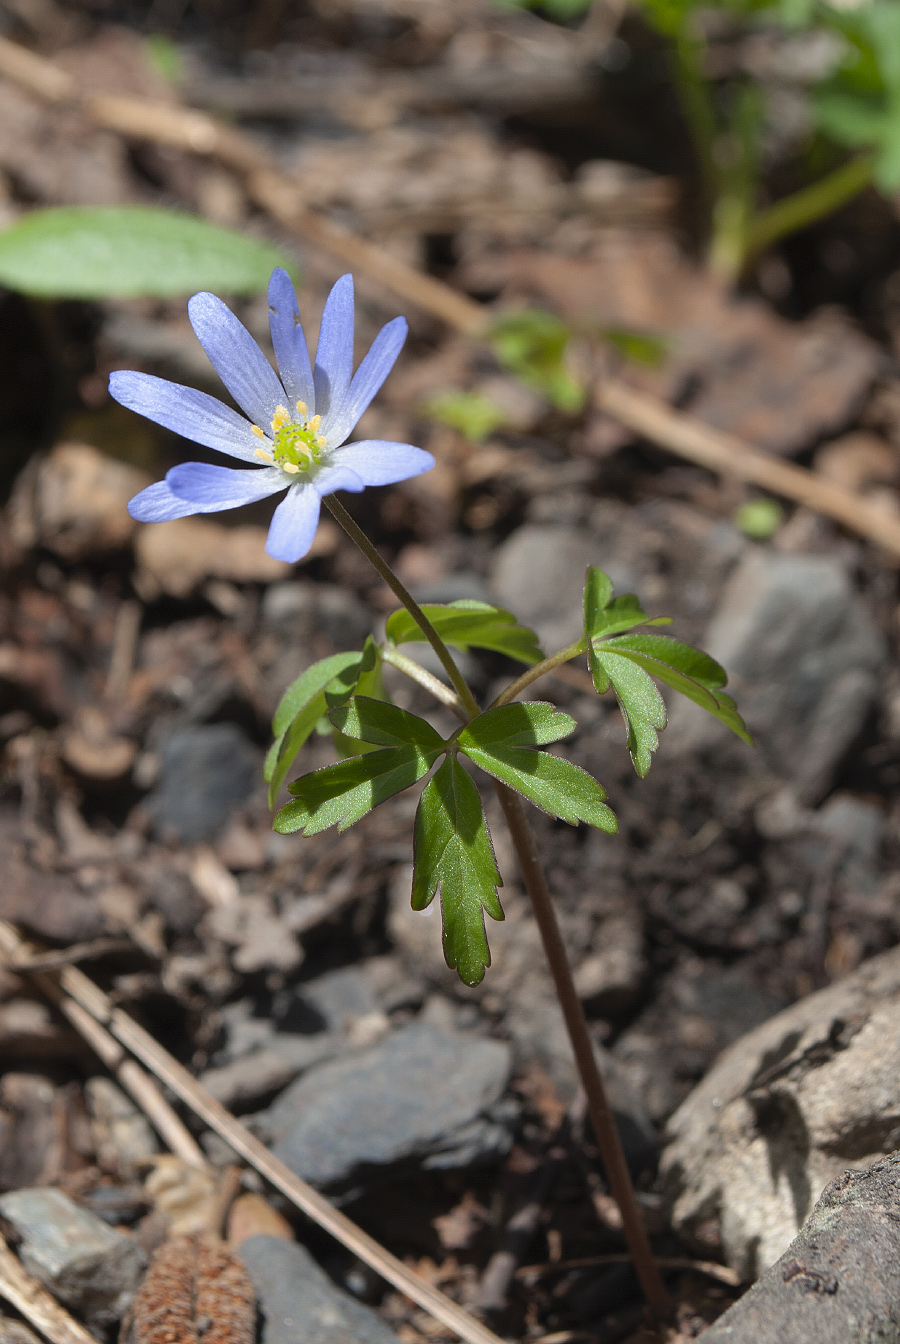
(607, 1135)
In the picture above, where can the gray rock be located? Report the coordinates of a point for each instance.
(811, 1092)
(338, 997)
(298, 1301)
(206, 771)
(803, 658)
(420, 1095)
(839, 1281)
(82, 1260)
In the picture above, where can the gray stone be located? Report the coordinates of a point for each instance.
(839, 1281)
(123, 1137)
(813, 1091)
(82, 1260)
(298, 1301)
(420, 1095)
(207, 770)
(803, 658)
(338, 997)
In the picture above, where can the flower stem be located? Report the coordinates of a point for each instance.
(538, 890)
(416, 672)
(539, 670)
(356, 534)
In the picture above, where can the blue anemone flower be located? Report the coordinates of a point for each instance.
(297, 425)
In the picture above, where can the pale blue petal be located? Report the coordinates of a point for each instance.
(236, 358)
(334, 354)
(185, 411)
(211, 489)
(294, 524)
(338, 477)
(366, 381)
(289, 342)
(381, 462)
(157, 504)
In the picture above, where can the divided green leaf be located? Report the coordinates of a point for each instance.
(302, 706)
(339, 795)
(369, 682)
(468, 624)
(627, 661)
(501, 742)
(453, 853)
(130, 251)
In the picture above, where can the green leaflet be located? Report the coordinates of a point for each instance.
(500, 741)
(705, 693)
(384, 725)
(453, 852)
(370, 682)
(130, 251)
(302, 706)
(468, 624)
(339, 795)
(640, 702)
(625, 660)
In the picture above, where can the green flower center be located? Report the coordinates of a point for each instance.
(297, 446)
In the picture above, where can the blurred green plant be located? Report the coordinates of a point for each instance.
(472, 414)
(533, 345)
(759, 518)
(164, 56)
(853, 104)
(130, 251)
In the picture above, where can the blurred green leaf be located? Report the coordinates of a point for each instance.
(533, 345)
(130, 251)
(467, 624)
(164, 56)
(453, 852)
(759, 518)
(473, 414)
(638, 346)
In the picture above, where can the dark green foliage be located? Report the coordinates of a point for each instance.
(453, 852)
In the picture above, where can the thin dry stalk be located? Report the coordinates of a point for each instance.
(35, 1303)
(132, 1077)
(82, 992)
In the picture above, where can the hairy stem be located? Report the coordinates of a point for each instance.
(539, 670)
(416, 672)
(805, 207)
(356, 534)
(538, 890)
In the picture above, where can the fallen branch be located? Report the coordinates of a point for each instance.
(36, 1304)
(282, 197)
(77, 991)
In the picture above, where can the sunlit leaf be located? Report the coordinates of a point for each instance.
(468, 624)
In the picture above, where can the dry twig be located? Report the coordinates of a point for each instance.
(72, 990)
(35, 1303)
(282, 197)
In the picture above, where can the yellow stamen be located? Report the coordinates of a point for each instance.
(263, 456)
(280, 418)
(257, 431)
(314, 423)
(290, 467)
(302, 409)
(320, 442)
